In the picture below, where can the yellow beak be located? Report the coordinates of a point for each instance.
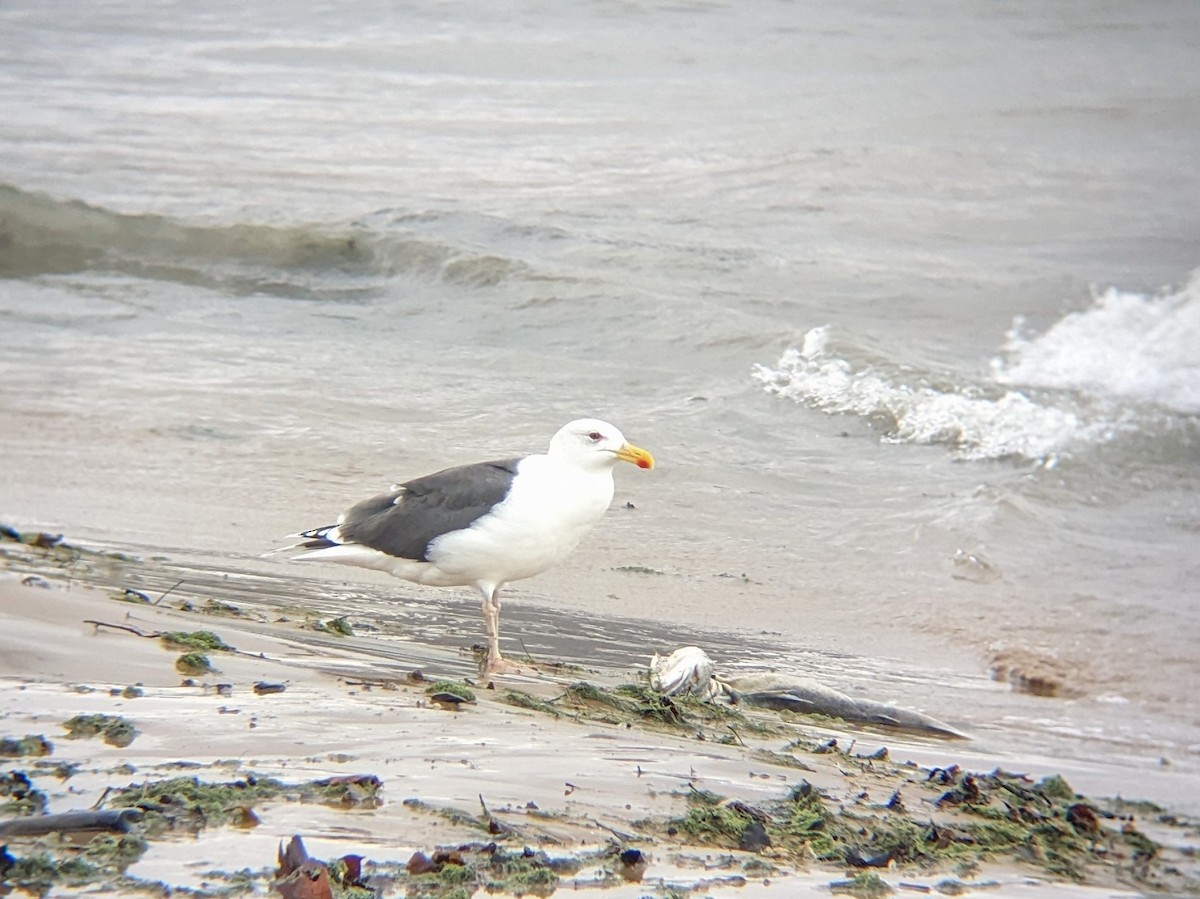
(636, 455)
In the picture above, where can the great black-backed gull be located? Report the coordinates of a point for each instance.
(483, 524)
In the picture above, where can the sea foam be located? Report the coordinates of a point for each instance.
(1087, 379)
(1124, 347)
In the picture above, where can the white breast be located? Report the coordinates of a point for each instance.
(550, 508)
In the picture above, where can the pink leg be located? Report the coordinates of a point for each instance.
(496, 663)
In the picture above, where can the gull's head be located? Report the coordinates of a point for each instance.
(589, 443)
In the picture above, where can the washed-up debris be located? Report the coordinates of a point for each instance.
(300, 876)
(632, 864)
(339, 627)
(450, 694)
(262, 688)
(54, 555)
(494, 825)
(459, 690)
(446, 700)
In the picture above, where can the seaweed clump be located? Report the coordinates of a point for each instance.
(459, 872)
(195, 641)
(194, 664)
(625, 704)
(18, 795)
(187, 803)
(104, 858)
(29, 745)
(631, 704)
(113, 729)
(453, 687)
(978, 817)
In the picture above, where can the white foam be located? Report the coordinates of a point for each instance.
(1096, 373)
(1125, 346)
(976, 426)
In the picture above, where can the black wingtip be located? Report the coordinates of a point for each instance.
(317, 538)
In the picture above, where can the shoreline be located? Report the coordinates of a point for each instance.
(560, 774)
(1105, 742)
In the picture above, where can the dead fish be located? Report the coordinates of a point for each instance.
(690, 670)
(686, 671)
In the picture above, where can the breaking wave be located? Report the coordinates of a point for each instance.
(1124, 347)
(1124, 363)
(42, 235)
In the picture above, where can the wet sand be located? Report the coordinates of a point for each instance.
(568, 785)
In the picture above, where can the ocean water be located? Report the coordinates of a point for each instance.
(901, 298)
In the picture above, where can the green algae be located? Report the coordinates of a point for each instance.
(113, 729)
(194, 664)
(1047, 830)
(651, 705)
(467, 869)
(714, 824)
(55, 556)
(198, 641)
(1055, 787)
(39, 872)
(190, 804)
(524, 700)
(59, 769)
(19, 797)
(54, 863)
(29, 745)
(638, 569)
(218, 608)
(448, 813)
(863, 885)
(639, 704)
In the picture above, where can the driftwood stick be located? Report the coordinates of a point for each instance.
(136, 631)
(168, 590)
(107, 821)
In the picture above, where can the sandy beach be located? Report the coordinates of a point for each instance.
(535, 768)
(902, 298)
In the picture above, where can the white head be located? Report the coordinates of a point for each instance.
(591, 443)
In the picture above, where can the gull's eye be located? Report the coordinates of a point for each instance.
(595, 436)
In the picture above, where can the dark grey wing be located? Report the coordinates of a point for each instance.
(404, 522)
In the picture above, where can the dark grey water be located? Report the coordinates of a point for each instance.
(900, 298)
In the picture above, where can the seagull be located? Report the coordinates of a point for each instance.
(483, 524)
